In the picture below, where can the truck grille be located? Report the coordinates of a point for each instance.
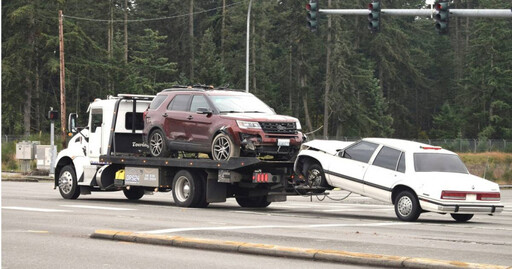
(278, 127)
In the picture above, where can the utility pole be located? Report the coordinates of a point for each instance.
(62, 82)
(247, 48)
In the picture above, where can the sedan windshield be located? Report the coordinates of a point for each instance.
(433, 162)
(240, 104)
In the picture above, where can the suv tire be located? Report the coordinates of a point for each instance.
(224, 148)
(158, 144)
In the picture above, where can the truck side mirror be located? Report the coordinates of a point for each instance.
(73, 117)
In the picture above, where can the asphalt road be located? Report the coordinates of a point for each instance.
(41, 229)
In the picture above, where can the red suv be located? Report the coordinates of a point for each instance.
(222, 123)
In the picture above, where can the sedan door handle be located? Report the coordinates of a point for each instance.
(190, 117)
(164, 115)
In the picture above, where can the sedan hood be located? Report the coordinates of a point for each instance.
(259, 117)
(456, 182)
(329, 146)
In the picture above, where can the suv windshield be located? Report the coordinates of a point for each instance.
(240, 104)
(432, 162)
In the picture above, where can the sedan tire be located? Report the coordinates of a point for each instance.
(315, 176)
(407, 207)
(462, 217)
(255, 202)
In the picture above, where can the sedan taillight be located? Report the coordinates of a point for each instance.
(488, 196)
(453, 195)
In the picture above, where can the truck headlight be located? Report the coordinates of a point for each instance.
(248, 124)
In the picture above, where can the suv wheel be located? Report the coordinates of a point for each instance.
(158, 144)
(224, 148)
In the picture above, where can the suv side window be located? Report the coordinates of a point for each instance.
(387, 158)
(197, 102)
(179, 103)
(362, 151)
(159, 99)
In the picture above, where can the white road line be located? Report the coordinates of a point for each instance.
(35, 209)
(100, 207)
(174, 230)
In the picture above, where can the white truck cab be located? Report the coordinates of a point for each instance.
(80, 160)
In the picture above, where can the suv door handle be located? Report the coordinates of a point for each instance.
(164, 115)
(190, 117)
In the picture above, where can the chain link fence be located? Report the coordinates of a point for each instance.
(457, 145)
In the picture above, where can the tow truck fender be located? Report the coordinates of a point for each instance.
(66, 157)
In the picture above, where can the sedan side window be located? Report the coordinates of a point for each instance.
(179, 103)
(362, 151)
(387, 158)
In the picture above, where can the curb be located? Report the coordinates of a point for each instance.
(336, 256)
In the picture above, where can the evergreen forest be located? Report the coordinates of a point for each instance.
(406, 81)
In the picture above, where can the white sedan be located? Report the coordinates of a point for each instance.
(415, 177)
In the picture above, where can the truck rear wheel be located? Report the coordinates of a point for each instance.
(68, 185)
(257, 202)
(134, 193)
(187, 189)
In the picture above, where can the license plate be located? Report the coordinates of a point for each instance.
(283, 142)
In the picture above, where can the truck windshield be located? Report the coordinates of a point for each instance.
(240, 104)
(434, 162)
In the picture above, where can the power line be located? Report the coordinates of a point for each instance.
(153, 19)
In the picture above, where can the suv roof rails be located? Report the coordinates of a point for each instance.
(196, 87)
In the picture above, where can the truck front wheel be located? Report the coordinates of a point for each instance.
(187, 189)
(257, 202)
(68, 185)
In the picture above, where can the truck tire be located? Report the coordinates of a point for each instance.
(134, 193)
(315, 176)
(255, 202)
(68, 185)
(187, 189)
(158, 144)
(462, 217)
(407, 207)
(224, 148)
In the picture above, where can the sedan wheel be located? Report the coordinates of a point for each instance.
(462, 217)
(315, 176)
(407, 207)
(223, 148)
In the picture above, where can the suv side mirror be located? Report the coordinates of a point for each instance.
(72, 118)
(204, 110)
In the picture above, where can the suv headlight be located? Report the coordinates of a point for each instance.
(298, 126)
(248, 124)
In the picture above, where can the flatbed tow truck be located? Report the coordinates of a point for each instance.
(109, 155)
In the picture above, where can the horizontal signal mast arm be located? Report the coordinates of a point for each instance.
(482, 13)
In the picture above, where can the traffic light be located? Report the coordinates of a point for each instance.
(374, 16)
(53, 115)
(312, 8)
(442, 16)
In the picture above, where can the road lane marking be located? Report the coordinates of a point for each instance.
(174, 230)
(46, 210)
(100, 207)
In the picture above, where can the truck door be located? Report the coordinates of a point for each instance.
(95, 134)
(348, 171)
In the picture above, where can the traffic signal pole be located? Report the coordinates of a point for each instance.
(479, 13)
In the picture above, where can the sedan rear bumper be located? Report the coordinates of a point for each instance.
(434, 206)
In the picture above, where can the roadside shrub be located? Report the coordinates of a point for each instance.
(9, 162)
